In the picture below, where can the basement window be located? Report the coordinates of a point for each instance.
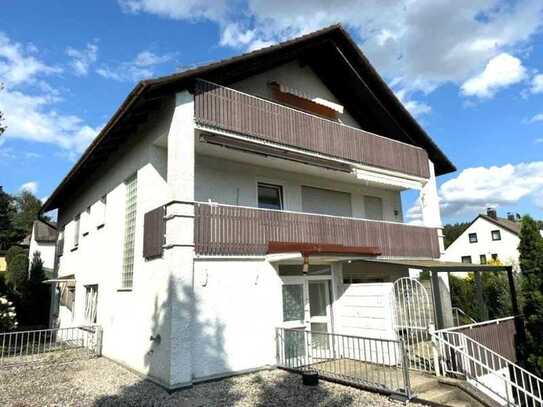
(482, 259)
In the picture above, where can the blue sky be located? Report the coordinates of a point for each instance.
(470, 71)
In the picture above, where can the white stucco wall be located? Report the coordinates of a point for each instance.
(128, 318)
(237, 307)
(506, 248)
(47, 252)
(235, 183)
(296, 76)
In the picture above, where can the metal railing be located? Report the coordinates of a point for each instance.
(378, 364)
(460, 318)
(498, 377)
(55, 345)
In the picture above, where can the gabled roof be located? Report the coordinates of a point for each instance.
(333, 55)
(511, 226)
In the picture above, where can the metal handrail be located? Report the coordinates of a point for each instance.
(460, 311)
(489, 368)
(379, 364)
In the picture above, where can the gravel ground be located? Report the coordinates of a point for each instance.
(100, 382)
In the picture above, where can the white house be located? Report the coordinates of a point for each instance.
(258, 192)
(488, 237)
(43, 239)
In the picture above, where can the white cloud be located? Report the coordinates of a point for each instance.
(536, 118)
(422, 44)
(476, 188)
(141, 67)
(18, 66)
(416, 108)
(31, 186)
(537, 84)
(501, 71)
(83, 59)
(28, 102)
(414, 214)
(539, 140)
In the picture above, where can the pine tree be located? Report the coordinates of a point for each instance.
(531, 264)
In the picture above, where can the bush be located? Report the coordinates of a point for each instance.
(8, 317)
(17, 272)
(13, 252)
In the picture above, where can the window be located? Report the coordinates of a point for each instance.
(131, 188)
(76, 231)
(496, 235)
(86, 222)
(473, 237)
(482, 259)
(374, 207)
(466, 259)
(270, 196)
(293, 302)
(100, 212)
(495, 256)
(326, 202)
(91, 303)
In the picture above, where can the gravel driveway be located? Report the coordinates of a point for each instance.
(100, 382)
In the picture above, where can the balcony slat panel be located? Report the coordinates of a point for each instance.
(230, 230)
(227, 109)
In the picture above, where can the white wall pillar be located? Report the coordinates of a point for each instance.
(429, 200)
(179, 253)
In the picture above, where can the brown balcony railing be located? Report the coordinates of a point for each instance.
(228, 109)
(234, 230)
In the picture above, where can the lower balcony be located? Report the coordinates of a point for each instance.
(235, 230)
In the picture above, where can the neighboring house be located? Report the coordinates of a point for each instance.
(3, 263)
(487, 239)
(258, 192)
(43, 239)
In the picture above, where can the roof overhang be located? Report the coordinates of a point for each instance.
(441, 266)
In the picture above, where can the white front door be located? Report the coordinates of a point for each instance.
(307, 306)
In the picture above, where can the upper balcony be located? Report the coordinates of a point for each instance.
(226, 109)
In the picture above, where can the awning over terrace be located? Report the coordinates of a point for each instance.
(438, 266)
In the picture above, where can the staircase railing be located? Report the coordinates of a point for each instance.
(458, 314)
(504, 381)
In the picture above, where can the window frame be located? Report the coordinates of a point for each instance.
(101, 221)
(494, 257)
(470, 235)
(88, 290)
(126, 282)
(481, 257)
(499, 235)
(281, 189)
(466, 257)
(76, 231)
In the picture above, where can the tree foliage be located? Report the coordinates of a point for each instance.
(531, 264)
(7, 210)
(27, 208)
(17, 271)
(452, 231)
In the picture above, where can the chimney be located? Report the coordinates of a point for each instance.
(511, 216)
(492, 213)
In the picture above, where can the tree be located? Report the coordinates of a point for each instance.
(36, 273)
(27, 209)
(34, 299)
(17, 271)
(531, 265)
(7, 211)
(14, 251)
(451, 232)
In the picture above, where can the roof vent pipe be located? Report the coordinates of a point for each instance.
(492, 213)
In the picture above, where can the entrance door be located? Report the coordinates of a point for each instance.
(306, 307)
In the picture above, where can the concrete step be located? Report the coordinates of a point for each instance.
(434, 392)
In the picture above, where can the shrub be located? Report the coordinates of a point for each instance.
(8, 317)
